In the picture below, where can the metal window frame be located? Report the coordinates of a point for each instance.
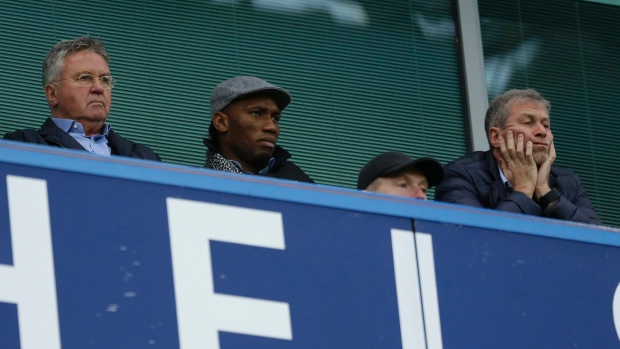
(474, 77)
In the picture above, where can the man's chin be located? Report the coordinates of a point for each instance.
(262, 159)
(98, 117)
(540, 158)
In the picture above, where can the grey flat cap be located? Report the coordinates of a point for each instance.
(241, 86)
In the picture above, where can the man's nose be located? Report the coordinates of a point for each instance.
(541, 130)
(271, 126)
(417, 193)
(97, 87)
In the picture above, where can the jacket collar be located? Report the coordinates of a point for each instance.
(497, 188)
(52, 133)
(119, 145)
(492, 166)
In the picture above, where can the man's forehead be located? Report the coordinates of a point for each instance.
(530, 108)
(256, 99)
(82, 53)
(79, 61)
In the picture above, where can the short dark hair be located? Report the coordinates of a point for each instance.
(213, 136)
(54, 60)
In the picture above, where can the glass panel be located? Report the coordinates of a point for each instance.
(366, 76)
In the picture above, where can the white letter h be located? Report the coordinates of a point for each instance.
(30, 282)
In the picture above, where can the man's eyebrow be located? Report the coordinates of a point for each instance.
(256, 108)
(261, 108)
(86, 71)
(532, 115)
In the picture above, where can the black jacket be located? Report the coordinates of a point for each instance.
(51, 134)
(474, 180)
(281, 168)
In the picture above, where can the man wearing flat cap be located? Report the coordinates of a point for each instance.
(244, 130)
(395, 173)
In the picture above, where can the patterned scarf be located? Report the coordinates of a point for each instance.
(217, 162)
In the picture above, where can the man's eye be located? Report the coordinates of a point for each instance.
(86, 79)
(401, 185)
(105, 80)
(255, 112)
(275, 118)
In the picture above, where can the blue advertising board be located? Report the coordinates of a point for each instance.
(122, 253)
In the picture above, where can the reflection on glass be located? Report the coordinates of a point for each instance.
(342, 11)
(500, 67)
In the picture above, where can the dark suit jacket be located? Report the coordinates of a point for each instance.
(475, 180)
(50, 134)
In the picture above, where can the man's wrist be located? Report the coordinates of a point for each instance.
(527, 190)
(552, 196)
(541, 191)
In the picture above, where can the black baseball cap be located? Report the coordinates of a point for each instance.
(392, 162)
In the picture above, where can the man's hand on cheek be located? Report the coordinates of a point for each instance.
(542, 183)
(518, 163)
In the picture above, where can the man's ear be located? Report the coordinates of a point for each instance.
(494, 134)
(50, 94)
(220, 121)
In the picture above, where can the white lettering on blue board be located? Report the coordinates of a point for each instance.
(416, 290)
(201, 312)
(616, 309)
(30, 282)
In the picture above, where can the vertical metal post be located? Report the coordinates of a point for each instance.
(473, 66)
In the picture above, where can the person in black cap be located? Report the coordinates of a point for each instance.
(395, 173)
(245, 115)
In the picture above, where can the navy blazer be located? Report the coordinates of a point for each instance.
(51, 134)
(475, 180)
